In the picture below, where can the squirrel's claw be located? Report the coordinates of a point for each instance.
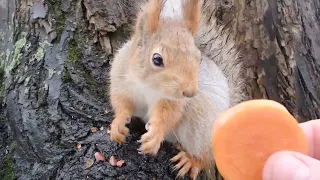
(151, 142)
(186, 164)
(194, 173)
(185, 169)
(118, 131)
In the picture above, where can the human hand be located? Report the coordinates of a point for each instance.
(288, 165)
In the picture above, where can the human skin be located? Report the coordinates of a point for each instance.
(287, 165)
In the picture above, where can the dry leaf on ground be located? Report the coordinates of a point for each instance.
(89, 163)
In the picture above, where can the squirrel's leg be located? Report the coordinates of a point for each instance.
(186, 163)
(124, 109)
(164, 117)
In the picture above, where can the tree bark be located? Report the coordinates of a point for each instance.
(280, 41)
(55, 56)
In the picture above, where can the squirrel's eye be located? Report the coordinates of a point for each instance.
(157, 60)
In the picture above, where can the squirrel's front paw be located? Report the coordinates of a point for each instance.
(151, 141)
(118, 131)
(186, 163)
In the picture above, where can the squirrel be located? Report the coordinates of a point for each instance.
(162, 76)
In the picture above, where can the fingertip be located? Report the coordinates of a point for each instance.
(269, 166)
(312, 131)
(285, 166)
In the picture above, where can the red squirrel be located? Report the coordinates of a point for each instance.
(161, 76)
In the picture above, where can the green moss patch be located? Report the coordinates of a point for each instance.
(88, 77)
(17, 55)
(7, 172)
(74, 54)
(60, 24)
(61, 17)
(66, 78)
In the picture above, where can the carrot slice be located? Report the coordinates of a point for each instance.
(247, 134)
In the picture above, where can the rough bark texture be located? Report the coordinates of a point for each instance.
(280, 40)
(55, 56)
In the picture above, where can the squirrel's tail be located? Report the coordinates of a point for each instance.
(217, 42)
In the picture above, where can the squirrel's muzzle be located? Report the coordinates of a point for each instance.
(190, 90)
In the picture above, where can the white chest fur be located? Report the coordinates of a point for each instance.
(145, 99)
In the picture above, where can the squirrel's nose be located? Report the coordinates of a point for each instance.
(190, 91)
(189, 94)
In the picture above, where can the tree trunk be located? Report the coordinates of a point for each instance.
(55, 57)
(280, 40)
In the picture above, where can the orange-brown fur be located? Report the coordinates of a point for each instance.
(153, 8)
(164, 117)
(191, 12)
(124, 108)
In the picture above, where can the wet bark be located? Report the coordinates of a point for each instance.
(55, 56)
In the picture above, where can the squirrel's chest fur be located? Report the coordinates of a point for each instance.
(144, 99)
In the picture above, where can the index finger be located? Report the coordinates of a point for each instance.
(312, 131)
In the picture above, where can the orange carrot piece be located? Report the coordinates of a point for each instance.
(247, 134)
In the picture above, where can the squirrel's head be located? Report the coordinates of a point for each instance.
(167, 58)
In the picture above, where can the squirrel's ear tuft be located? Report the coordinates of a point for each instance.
(153, 9)
(191, 14)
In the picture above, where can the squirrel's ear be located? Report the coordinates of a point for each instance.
(153, 8)
(191, 15)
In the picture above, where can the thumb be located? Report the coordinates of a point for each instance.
(288, 165)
